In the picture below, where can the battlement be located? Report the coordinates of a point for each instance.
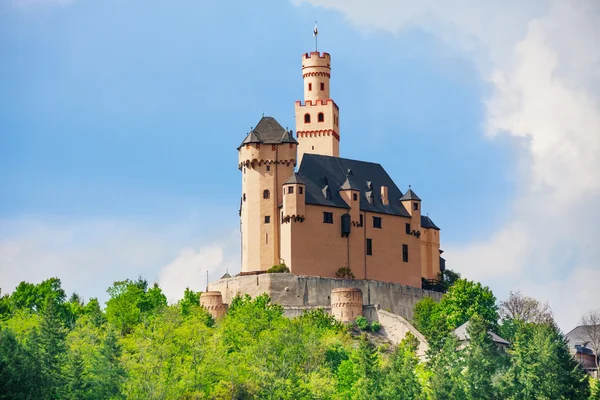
(315, 54)
(316, 60)
(310, 103)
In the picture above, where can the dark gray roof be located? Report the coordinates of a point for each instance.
(226, 276)
(427, 223)
(269, 131)
(410, 195)
(462, 334)
(578, 336)
(294, 179)
(349, 183)
(319, 171)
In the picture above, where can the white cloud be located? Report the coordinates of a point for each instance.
(543, 62)
(190, 267)
(88, 256)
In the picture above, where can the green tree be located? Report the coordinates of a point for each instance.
(445, 369)
(19, 371)
(189, 301)
(541, 366)
(400, 380)
(50, 350)
(465, 299)
(482, 360)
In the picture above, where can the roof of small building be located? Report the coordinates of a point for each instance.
(268, 131)
(410, 195)
(319, 171)
(294, 179)
(427, 223)
(462, 334)
(579, 337)
(349, 183)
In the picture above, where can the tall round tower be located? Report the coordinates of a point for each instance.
(317, 118)
(267, 157)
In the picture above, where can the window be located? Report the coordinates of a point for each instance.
(300, 190)
(310, 86)
(321, 117)
(327, 218)
(376, 222)
(354, 196)
(407, 228)
(369, 247)
(322, 86)
(361, 220)
(244, 196)
(290, 189)
(266, 194)
(416, 206)
(307, 118)
(268, 168)
(267, 219)
(405, 252)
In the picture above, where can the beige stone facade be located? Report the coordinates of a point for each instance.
(332, 213)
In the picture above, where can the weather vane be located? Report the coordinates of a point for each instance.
(316, 34)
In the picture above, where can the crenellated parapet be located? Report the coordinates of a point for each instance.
(318, 133)
(255, 155)
(318, 102)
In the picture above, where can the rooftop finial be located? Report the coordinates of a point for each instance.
(316, 34)
(409, 187)
(263, 114)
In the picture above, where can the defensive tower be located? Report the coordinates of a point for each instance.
(267, 157)
(317, 118)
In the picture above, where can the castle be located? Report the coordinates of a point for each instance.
(332, 212)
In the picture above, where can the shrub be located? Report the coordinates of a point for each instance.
(375, 326)
(344, 272)
(362, 323)
(278, 269)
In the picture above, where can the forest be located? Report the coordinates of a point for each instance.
(137, 346)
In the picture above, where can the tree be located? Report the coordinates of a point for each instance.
(542, 367)
(189, 301)
(447, 278)
(400, 380)
(19, 371)
(590, 332)
(51, 349)
(481, 360)
(465, 299)
(445, 368)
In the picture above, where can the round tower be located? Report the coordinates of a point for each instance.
(266, 158)
(316, 72)
(213, 303)
(317, 117)
(346, 304)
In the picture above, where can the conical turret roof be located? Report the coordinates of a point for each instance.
(294, 179)
(410, 195)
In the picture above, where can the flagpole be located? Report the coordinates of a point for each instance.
(316, 35)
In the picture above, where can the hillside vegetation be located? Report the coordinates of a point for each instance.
(139, 347)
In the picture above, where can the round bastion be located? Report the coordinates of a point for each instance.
(213, 303)
(346, 304)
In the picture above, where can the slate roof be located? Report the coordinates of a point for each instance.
(318, 171)
(349, 183)
(294, 179)
(410, 195)
(268, 131)
(462, 334)
(578, 337)
(427, 223)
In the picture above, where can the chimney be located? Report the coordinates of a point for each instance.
(384, 195)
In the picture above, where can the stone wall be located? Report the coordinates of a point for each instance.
(302, 291)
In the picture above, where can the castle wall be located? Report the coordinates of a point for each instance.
(299, 291)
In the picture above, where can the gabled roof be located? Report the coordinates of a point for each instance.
(226, 276)
(427, 223)
(410, 195)
(318, 171)
(294, 179)
(579, 337)
(462, 334)
(268, 131)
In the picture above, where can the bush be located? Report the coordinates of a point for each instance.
(362, 323)
(278, 269)
(344, 272)
(375, 326)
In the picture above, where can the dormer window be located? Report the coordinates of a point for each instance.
(321, 117)
(307, 118)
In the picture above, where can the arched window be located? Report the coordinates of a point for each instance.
(321, 117)
(307, 118)
(266, 194)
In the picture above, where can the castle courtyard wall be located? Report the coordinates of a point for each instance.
(292, 290)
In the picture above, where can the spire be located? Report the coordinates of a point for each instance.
(410, 195)
(294, 179)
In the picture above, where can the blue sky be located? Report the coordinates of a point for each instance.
(124, 116)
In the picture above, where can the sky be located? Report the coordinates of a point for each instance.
(119, 122)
